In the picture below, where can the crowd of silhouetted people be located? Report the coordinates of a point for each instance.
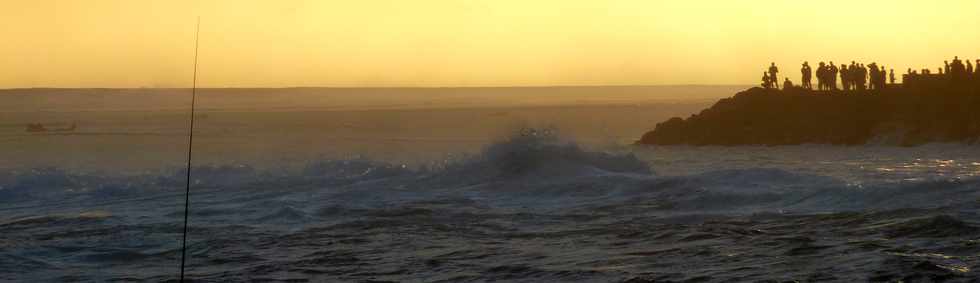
(955, 72)
(860, 77)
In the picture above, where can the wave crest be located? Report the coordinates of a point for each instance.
(538, 153)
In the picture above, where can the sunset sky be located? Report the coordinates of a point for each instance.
(128, 43)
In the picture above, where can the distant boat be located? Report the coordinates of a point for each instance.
(39, 128)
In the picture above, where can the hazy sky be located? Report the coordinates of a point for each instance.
(133, 43)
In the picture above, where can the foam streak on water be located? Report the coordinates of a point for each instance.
(530, 209)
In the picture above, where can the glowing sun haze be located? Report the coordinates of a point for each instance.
(127, 43)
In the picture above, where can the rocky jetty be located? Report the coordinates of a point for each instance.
(893, 116)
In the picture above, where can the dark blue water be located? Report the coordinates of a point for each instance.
(529, 209)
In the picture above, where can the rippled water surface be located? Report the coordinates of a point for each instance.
(527, 209)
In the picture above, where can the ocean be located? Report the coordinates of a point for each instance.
(460, 185)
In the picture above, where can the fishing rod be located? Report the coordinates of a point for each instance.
(190, 155)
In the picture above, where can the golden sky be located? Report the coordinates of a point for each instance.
(143, 43)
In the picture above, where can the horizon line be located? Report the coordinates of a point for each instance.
(386, 87)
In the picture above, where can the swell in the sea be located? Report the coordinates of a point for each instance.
(532, 208)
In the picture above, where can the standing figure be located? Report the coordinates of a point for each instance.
(822, 76)
(957, 65)
(851, 76)
(772, 74)
(957, 71)
(873, 71)
(976, 72)
(845, 75)
(974, 76)
(854, 75)
(969, 68)
(807, 74)
(882, 78)
(862, 77)
(832, 76)
(765, 81)
(891, 76)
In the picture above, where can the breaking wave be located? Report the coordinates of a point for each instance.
(532, 207)
(526, 168)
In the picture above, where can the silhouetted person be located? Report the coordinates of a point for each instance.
(969, 68)
(862, 77)
(772, 74)
(946, 68)
(883, 78)
(957, 71)
(829, 76)
(832, 75)
(807, 74)
(891, 76)
(852, 74)
(855, 73)
(822, 76)
(976, 75)
(845, 75)
(873, 71)
(852, 71)
(787, 84)
(766, 83)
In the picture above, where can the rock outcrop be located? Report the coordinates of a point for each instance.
(896, 116)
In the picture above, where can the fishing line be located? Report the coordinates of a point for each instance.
(190, 155)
